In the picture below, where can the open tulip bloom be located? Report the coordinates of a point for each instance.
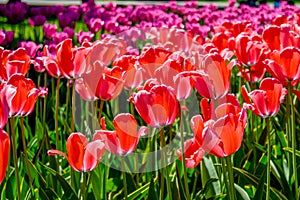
(265, 101)
(220, 134)
(125, 138)
(82, 155)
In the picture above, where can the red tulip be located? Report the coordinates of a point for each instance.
(100, 82)
(265, 102)
(280, 37)
(156, 104)
(133, 74)
(4, 109)
(229, 131)
(4, 151)
(71, 61)
(251, 54)
(124, 139)
(220, 40)
(171, 74)
(49, 62)
(86, 85)
(152, 58)
(285, 65)
(109, 85)
(223, 134)
(82, 155)
(214, 81)
(21, 95)
(12, 62)
(207, 106)
(107, 50)
(193, 153)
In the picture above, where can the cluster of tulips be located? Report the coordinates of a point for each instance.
(239, 72)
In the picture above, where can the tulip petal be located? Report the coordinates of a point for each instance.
(193, 153)
(93, 153)
(76, 149)
(4, 150)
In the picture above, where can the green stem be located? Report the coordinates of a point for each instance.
(288, 130)
(56, 114)
(73, 108)
(186, 186)
(224, 172)
(83, 187)
(294, 138)
(52, 159)
(15, 156)
(164, 162)
(26, 155)
(269, 158)
(231, 180)
(253, 138)
(162, 184)
(124, 178)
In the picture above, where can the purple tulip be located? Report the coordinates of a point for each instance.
(95, 25)
(30, 47)
(84, 36)
(9, 35)
(69, 31)
(111, 26)
(59, 37)
(49, 30)
(37, 20)
(65, 20)
(2, 36)
(16, 12)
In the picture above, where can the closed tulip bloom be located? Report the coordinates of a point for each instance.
(12, 62)
(82, 155)
(251, 54)
(21, 95)
(71, 61)
(285, 65)
(4, 151)
(265, 101)
(124, 139)
(156, 104)
(280, 37)
(171, 74)
(214, 80)
(109, 85)
(133, 74)
(152, 58)
(49, 30)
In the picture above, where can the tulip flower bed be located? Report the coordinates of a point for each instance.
(149, 102)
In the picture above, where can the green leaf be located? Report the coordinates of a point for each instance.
(209, 172)
(141, 191)
(281, 178)
(69, 192)
(260, 187)
(43, 189)
(152, 194)
(242, 192)
(96, 184)
(290, 150)
(254, 180)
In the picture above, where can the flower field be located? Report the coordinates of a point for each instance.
(144, 101)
